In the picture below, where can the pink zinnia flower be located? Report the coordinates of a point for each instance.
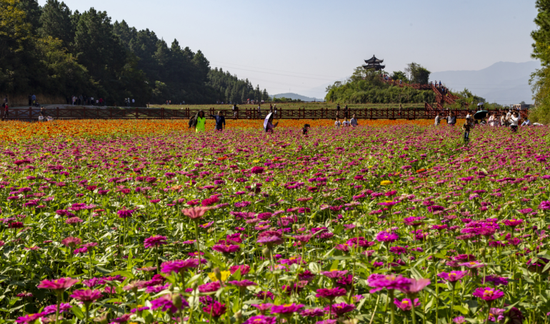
(195, 213)
(405, 304)
(452, 276)
(226, 248)
(86, 295)
(312, 312)
(330, 293)
(29, 318)
(154, 241)
(379, 282)
(416, 286)
(58, 285)
(242, 283)
(168, 302)
(178, 266)
(340, 309)
(387, 237)
(244, 269)
(71, 241)
(488, 294)
(286, 309)
(261, 319)
(334, 274)
(216, 309)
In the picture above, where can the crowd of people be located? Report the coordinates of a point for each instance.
(84, 100)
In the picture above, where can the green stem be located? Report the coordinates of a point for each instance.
(452, 301)
(198, 245)
(392, 308)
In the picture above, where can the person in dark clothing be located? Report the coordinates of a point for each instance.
(220, 121)
(338, 110)
(305, 129)
(30, 100)
(346, 112)
(467, 127)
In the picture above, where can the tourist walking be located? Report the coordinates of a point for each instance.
(346, 112)
(514, 121)
(437, 120)
(337, 110)
(220, 121)
(467, 127)
(198, 122)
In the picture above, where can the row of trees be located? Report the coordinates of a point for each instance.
(52, 50)
(540, 80)
(367, 87)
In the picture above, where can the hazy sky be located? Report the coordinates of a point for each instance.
(303, 45)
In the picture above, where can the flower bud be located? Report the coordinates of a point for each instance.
(218, 273)
(177, 301)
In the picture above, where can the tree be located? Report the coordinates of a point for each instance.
(399, 75)
(56, 22)
(418, 73)
(32, 13)
(15, 37)
(540, 79)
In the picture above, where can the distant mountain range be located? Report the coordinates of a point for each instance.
(502, 82)
(295, 96)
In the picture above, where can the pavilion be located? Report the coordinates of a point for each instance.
(374, 64)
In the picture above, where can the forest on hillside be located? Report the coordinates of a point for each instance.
(56, 53)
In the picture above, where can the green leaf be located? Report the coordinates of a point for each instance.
(78, 312)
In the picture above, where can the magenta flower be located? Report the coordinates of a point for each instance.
(330, 293)
(86, 296)
(29, 318)
(286, 309)
(57, 285)
(242, 283)
(125, 213)
(312, 312)
(334, 274)
(261, 319)
(154, 241)
(257, 170)
(223, 248)
(171, 303)
(488, 294)
(245, 269)
(71, 241)
(459, 320)
(513, 222)
(416, 286)
(210, 287)
(340, 309)
(263, 307)
(405, 304)
(215, 309)
(390, 282)
(178, 266)
(387, 237)
(452, 276)
(472, 265)
(195, 213)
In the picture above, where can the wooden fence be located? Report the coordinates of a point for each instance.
(32, 114)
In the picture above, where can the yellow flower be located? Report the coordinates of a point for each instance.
(256, 161)
(385, 182)
(225, 275)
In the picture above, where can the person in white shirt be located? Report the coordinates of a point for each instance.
(514, 121)
(337, 123)
(437, 120)
(346, 123)
(493, 120)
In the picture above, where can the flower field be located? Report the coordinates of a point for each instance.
(14, 130)
(147, 222)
